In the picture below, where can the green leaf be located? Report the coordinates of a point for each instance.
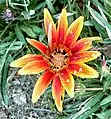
(2, 1)
(28, 31)
(106, 100)
(39, 6)
(50, 6)
(107, 82)
(88, 104)
(16, 46)
(89, 112)
(4, 74)
(99, 18)
(37, 29)
(104, 115)
(107, 4)
(19, 34)
(93, 100)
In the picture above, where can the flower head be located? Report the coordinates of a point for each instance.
(7, 15)
(60, 60)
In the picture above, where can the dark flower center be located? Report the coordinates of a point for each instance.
(58, 59)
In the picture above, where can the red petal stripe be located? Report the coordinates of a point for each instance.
(34, 67)
(62, 26)
(73, 31)
(67, 81)
(84, 56)
(57, 92)
(82, 45)
(21, 62)
(82, 70)
(41, 85)
(40, 46)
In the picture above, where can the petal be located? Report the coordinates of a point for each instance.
(34, 67)
(51, 35)
(67, 81)
(40, 46)
(82, 70)
(83, 44)
(47, 20)
(21, 62)
(84, 56)
(57, 92)
(62, 26)
(73, 31)
(41, 85)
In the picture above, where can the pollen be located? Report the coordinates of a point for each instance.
(58, 59)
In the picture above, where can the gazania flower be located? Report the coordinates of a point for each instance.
(60, 60)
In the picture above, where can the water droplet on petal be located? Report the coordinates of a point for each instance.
(86, 42)
(93, 55)
(75, 72)
(62, 74)
(67, 81)
(80, 70)
(71, 32)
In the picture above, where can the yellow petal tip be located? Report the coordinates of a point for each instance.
(34, 99)
(28, 39)
(45, 10)
(21, 72)
(81, 18)
(11, 64)
(71, 95)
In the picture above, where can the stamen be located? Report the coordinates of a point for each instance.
(58, 59)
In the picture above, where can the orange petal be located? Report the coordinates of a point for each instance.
(67, 81)
(50, 28)
(47, 20)
(74, 31)
(62, 26)
(57, 92)
(40, 46)
(34, 67)
(84, 56)
(21, 62)
(51, 36)
(82, 70)
(41, 85)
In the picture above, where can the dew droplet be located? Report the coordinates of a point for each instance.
(80, 70)
(62, 74)
(75, 72)
(93, 55)
(86, 42)
(67, 81)
(71, 32)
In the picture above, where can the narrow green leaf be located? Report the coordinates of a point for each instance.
(106, 100)
(4, 74)
(37, 29)
(94, 100)
(88, 105)
(108, 6)
(50, 6)
(28, 31)
(107, 82)
(19, 34)
(89, 112)
(39, 6)
(99, 18)
(104, 115)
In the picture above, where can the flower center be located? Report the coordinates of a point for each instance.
(58, 59)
